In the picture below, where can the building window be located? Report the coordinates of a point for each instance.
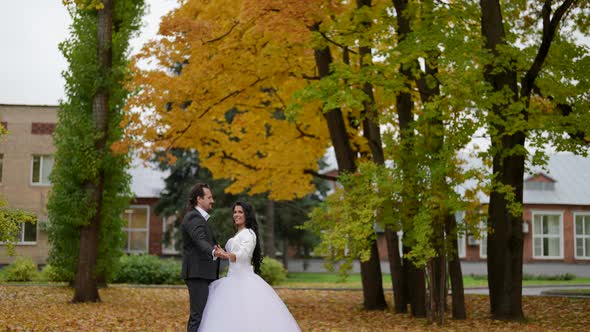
(170, 232)
(461, 245)
(537, 185)
(1, 165)
(27, 233)
(42, 166)
(547, 235)
(582, 235)
(461, 240)
(42, 128)
(483, 240)
(137, 229)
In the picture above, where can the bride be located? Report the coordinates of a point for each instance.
(243, 301)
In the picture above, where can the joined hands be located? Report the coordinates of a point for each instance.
(220, 253)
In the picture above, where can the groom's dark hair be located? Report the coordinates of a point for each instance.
(198, 190)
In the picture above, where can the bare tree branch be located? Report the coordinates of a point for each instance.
(321, 176)
(224, 35)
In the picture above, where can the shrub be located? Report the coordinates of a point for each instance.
(147, 269)
(272, 271)
(55, 274)
(564, 276)
(22, 269)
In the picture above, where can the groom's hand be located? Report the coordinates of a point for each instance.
(220, 253)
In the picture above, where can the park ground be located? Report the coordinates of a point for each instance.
(125, 308)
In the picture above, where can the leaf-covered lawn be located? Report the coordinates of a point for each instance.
(34, 308)
(334, 280)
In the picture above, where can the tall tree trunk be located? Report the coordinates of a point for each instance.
(372, 134)
(269, 230)
(86, 284)
(505, 242)
(415, 287)
(437, 271)
(374, 298)
(416, 284)
(285, 250)
(398, 280)
(457, 290)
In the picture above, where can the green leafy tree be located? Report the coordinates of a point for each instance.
(90, 182)
(533, 97)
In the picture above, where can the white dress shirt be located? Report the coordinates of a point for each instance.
(206, 216)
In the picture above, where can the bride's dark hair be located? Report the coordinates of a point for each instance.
(251, 223)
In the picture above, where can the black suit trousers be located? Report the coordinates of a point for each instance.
(198, 292)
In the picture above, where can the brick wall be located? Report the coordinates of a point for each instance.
(42, 128)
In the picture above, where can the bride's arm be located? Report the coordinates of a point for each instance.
(246, 244)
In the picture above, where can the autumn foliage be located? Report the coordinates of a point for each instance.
(220, 82)
(166, 309)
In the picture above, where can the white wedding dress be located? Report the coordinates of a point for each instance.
(243, 301)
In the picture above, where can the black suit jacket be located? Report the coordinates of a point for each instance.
(198, 242)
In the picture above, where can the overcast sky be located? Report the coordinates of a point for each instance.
(30, 62)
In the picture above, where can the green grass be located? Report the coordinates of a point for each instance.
(570, 291)
(333, 280)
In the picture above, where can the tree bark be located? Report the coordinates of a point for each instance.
(438, 274)
(86, 283)
(415, 287)
(269, 230)
(505, 242)
(285, 250)
(398, 281)
(457, 290)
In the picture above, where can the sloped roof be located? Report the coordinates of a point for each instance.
(572, 181)
(146, 179)
(570, 173)
(538, 177)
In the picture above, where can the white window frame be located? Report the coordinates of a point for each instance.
(167, 250)
(483, 238)
(581, 236)
(462, 245)
(1, 167)
(41, 158)
(128, 231)
(461, 238)
(544, 213)
(21, 240)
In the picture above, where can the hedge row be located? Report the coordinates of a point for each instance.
(133, 269)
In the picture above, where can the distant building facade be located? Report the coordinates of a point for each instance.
(26, 160)
(556, 214)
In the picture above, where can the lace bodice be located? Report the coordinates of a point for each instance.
(242, 245)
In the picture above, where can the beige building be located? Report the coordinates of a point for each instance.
(26, 160)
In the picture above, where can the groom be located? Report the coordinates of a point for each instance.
(200, 263)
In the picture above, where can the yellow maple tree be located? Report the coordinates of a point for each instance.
(219, 80)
